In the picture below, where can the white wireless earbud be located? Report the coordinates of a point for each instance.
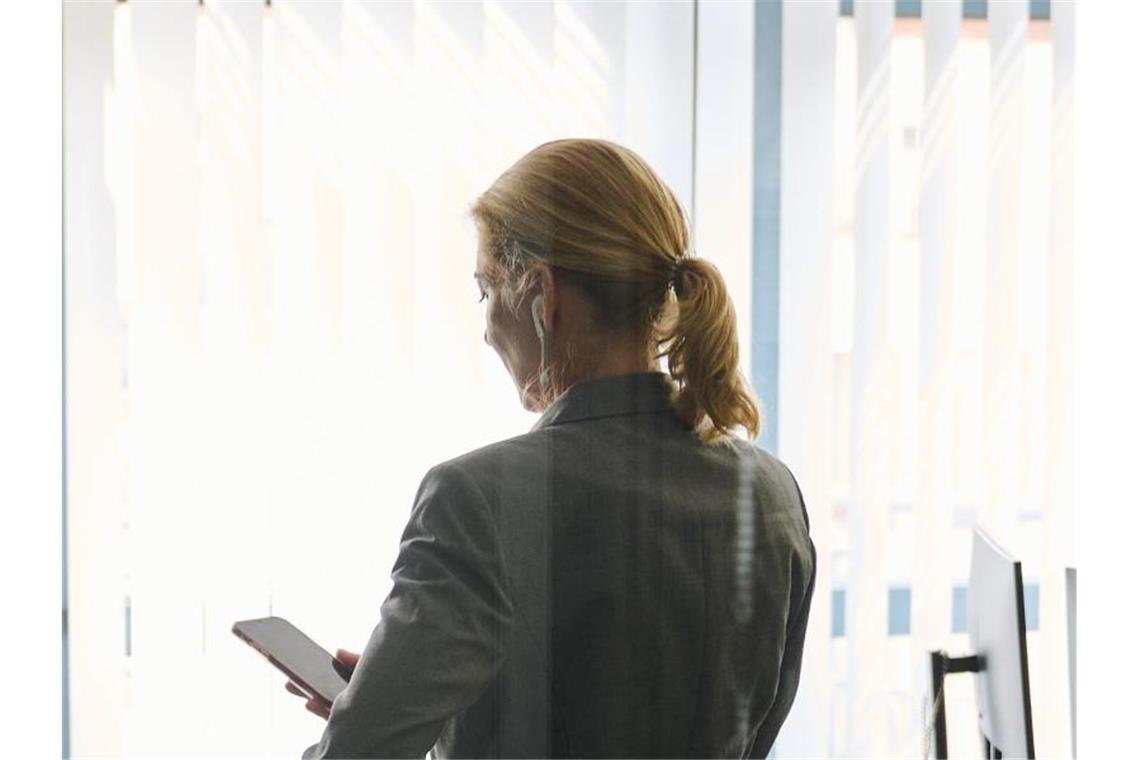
(543, 371)
(536, 312)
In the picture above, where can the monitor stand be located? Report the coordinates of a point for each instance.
(942, 664)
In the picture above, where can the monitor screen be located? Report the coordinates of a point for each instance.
(997, 636)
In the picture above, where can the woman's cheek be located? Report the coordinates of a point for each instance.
(494, 334)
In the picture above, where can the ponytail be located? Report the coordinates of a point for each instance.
(703, 354)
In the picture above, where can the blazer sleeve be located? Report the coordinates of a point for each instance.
(442, 633)
(802, 578)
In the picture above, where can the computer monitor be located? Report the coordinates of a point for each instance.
(997, 636)
(996, 621)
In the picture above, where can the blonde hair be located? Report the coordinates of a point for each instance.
(598, 213)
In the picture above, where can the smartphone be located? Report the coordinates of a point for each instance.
(306, 663)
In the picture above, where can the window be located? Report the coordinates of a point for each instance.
(958, 620)
(950, 155)
(838, 612)
(278, 246)
(898, 612)
(1032, 597)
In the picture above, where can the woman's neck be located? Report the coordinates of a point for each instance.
(607, 361)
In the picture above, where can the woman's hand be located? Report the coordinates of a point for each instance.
(313, 705)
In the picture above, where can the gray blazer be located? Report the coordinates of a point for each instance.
(604, 585)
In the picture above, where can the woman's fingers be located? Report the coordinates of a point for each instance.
(345, 663)
(318, 709)
(347, 657)
(311, 704)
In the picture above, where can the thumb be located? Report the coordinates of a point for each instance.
(346, 656)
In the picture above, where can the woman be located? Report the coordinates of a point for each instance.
(629, 578)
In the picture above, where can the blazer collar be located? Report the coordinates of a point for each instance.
(639, 393)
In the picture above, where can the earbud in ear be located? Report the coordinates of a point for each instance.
(536, 312)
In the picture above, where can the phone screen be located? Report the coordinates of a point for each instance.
(295, 654)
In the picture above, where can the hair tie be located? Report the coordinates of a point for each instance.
(676, 273)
